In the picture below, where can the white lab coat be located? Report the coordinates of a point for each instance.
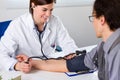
(21, 37)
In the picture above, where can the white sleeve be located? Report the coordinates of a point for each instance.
(8, 46)
(64, 40)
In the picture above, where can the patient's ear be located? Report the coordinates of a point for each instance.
(102, 20)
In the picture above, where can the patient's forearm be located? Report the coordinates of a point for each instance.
(50, 65)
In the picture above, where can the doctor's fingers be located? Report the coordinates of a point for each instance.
(69, 56)
(21, 57)
(26, 67)
(26, 70)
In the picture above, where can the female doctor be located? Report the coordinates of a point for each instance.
(37, 33)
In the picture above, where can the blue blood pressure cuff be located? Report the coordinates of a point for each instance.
(76, 64)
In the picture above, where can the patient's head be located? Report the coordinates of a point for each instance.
(110, 9)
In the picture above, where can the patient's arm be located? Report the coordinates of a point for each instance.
(50, 65)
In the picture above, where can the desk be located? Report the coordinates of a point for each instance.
(45, 75)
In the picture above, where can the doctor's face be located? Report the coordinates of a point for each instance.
(41, 13)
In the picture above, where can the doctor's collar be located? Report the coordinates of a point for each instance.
(36, 27)
(45, 24)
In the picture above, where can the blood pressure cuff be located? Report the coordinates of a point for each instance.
(76, 64)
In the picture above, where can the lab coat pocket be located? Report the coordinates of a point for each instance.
(48, 48)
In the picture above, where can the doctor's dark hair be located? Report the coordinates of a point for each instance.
(110, 9)
(39, 2)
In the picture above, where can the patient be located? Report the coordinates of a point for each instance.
(105, 57)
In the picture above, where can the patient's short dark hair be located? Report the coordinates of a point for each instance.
(110, 9)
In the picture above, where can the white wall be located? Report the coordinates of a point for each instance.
(75, 20)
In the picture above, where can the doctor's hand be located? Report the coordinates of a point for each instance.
(21, 65)
(70, 56)
(22, 57)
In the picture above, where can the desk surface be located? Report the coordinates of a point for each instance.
(45, 75)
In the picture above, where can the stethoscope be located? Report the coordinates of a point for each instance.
(78, 53)
(44, 57)
(40, 35)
